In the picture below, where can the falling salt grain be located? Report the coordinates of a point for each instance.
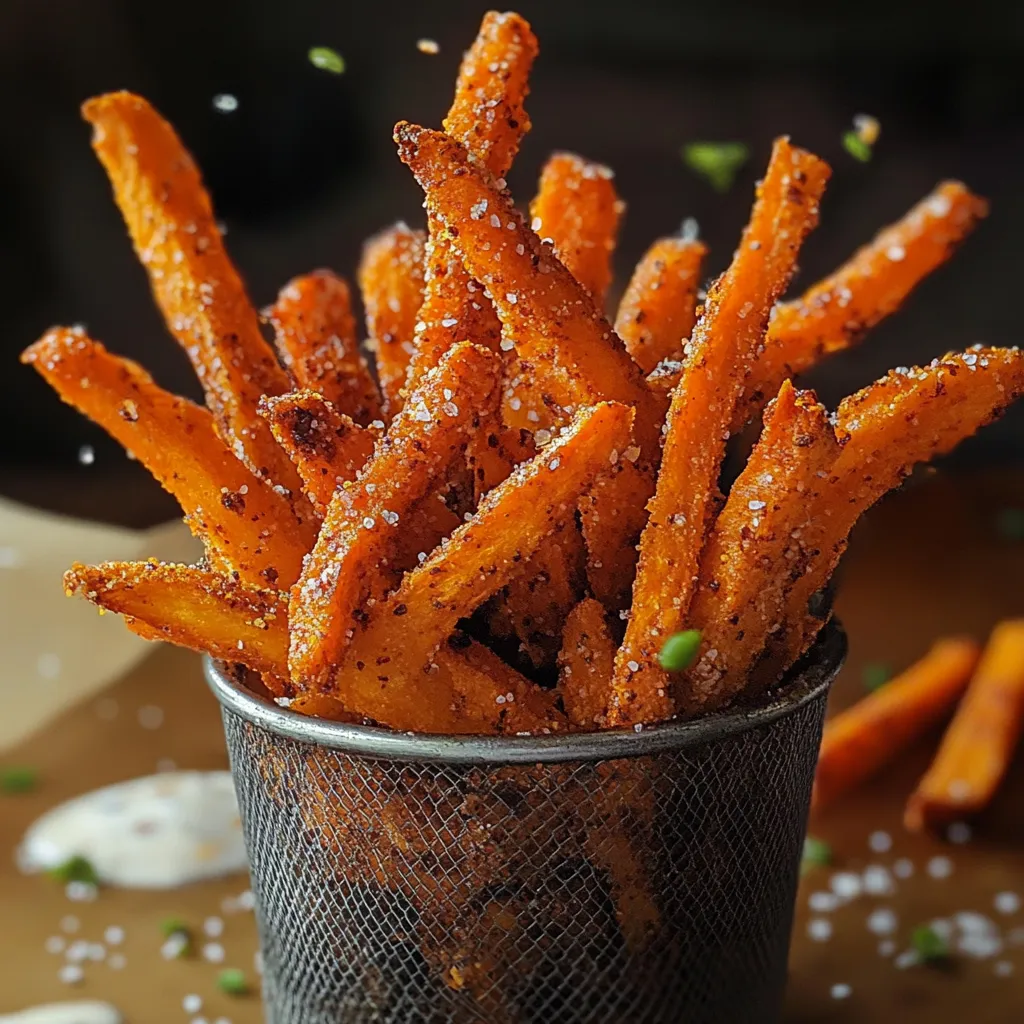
(116, 961)
(819, 929)
(877, 880)
(213, 953)
(908, 958)
(1002, 969)
(886, 947)
(70, 924)
(151, 717)
(54, 945)
(114, 935)
(86, 455)
(48, 665)
(213, 927)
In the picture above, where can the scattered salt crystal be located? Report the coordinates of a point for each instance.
(213, 953)
(819, 929)
(846, 885)
(639, 727)
(823, 902)
(1002, 969)
(882, 921)
(511, 297)
(959, 832)
(880, 842)
(116, 961)
(450, 409)
(507, 344)
(246, 900)
(886, 947)
(97, 952)
(877, 880)
(942, 927)
(495, 221)
(895, 253)
(903, 868)
(972, 923)
(213, 927)
(939, 867)
(80, 892)
(535, 224)
(908, 958)
(192, 1003)
(257, 961)
(71, 974)
(114, 935)
(151, 717)
(86, 455)
(980, 946)
(1006, 902)
(841, 991)
(175, 945)
(54, 944)
(449, 321)
(70, 924)
(369, 522)
(633, 666)
(554, 464)
(48, 665)
(756, 506)
(9, 558)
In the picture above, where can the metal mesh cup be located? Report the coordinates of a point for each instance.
(607, 877)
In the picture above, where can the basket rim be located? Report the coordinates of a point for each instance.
(809, 680)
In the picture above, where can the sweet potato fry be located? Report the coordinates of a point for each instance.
(909, 416)
(391, 283)
(980, 741)
(360, 528)
(316, 338)
(578, 209)
(585, 664)
(554, 322)
(863, 738)
(659, 306)
(493, 454)
(723, 346)
(325, 445)
(613, 515)
(248, 528)
(488, 118)
(380, 676)
(756, 551)
(171, 222)
(192, 608)
(836, 312)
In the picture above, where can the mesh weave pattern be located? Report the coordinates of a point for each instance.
(652, 889)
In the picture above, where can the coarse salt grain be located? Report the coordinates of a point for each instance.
(939, 867)
(841, 991)
(886, 947)
(114, 935)
(908, 958)
(880, 842)
(882, 921)
(71, 974)
(823, 902)
(877, 880)
(846, 885)
(959, 832)
(1002, 969)
(225, 103)
(86, 455)
(819, 929)
(1006, 902)
(70, 924)
(213, 927)
(54, 944)
(428, 46)
(903, 868)
(192, 1003)
(213, 953)
(116, 961)
(151, 717)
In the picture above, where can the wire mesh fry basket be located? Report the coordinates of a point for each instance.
(634, 877)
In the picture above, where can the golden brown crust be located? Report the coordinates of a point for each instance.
(585, 665)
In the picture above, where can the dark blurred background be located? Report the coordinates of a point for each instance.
(305, 169)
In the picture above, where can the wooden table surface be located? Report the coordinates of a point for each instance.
(928, 562)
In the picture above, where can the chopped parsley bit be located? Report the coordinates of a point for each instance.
(232, 981)
(875, 676)
(718, 162)
(75, 869)
(1010, 523)
(817, 853)
(680, 650)
(929, 945)
(18, 779)
(326, 59)
(174, 926)
(856, 146)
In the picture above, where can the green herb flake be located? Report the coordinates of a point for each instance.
(856, 146)
(929, 945)
(326, 59)
(679, 651)
(75, 869)
(233, 982)
(817, 853)
(18, 779)
(717, 162)
(875, 676)
(174, 926)
(1010, 523)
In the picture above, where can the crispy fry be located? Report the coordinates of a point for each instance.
(360, 528)
(489, 119)
(479, 559)
(325, 445)
(723, 346)
(862, 739)
(316, 338)
(613, 516)
(171, 222)
(836, 312)
(192, 608)
(979, 743)
(578, 209)
(493, 454)
(907, 417)
(554, 323)
(391, 282)
(319, 705)
(756, 551)
(246, 525)
(659, 306)
(585, 664)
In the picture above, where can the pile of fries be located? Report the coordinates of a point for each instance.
(448, 542)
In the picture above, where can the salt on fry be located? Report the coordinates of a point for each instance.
(724, 345)
(316, 338)
(862, 739)
(391, 283)
(659, 306)
(979, 743)
(578, 209)
(585, 664)
(365, 518)
(327, 448)
(246, 525)
(171, 222)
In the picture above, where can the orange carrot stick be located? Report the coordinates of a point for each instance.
(659, 306)
(979, 743)
(859, 741)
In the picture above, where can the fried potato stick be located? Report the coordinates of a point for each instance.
(578, 209)
(391, 282)
(316, 338)
(488, 118)
(980, 741)
(659, 306)
(585, 665)
(862, 739)
(171, 222)
(364, 520)
(246, 525)
(723, 347)
(327, 448)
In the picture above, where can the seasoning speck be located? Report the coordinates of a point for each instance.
(928, 944)
(717, 162)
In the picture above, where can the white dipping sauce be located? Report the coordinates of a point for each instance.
(88, 1012)
(156, 832)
